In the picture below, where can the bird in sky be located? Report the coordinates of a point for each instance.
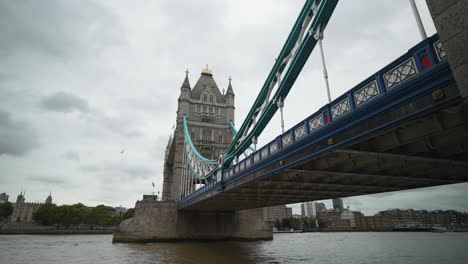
(123, 150)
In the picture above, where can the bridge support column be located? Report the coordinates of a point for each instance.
(451, 21)
(160, 221)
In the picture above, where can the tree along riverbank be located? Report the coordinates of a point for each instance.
(23, 228)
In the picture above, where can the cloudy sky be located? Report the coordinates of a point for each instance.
(80, 81)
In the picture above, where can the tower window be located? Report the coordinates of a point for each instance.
(205, 97)
(211, 98)
(207, 135)
(217, 111)
(204, 109)
(211, 109)
(198, 108)
(220, 138)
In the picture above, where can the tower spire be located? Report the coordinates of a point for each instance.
(230, 91)
(186, 83)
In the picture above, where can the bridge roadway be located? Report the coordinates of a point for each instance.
(402, 128)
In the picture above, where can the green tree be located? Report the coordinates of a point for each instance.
(286, 223)
(306, 222)
(100, 215)
(6, 209)
(295, 223)
(71, 214)
(128, 214)
(278, 224)
(47, 214)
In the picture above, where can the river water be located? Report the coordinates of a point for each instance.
(285, 248)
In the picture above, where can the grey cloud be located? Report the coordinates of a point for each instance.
(55, 27)
(16, 137)
(49, 180)
(111, 170)
(71, 155)
(64, 102)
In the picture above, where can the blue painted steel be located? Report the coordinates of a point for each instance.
(426, 79)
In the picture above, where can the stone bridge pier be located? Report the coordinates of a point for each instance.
(160, 221)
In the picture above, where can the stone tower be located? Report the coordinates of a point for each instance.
(49, 199)
(208, 113)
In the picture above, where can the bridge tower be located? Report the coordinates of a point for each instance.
(208, 113)
(451, 22)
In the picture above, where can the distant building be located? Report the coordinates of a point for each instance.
(403, 218)
(319, 207)
(336, 219)
(373, 223)
(3, 198)
(120, 210)
(348, 215)
(150, 197)
(23, 211)
(309, 209)
(312, 209)
(338, 204)
(277, 212)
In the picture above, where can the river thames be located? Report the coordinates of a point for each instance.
(285, 248)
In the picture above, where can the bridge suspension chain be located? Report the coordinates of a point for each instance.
(300, 43)
(200, 167)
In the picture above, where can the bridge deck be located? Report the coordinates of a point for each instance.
(411, 134)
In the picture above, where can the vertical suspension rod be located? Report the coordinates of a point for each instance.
(281, 105)
(422, 31)
(324, 66)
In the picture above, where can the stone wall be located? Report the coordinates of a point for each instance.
(250, 225)
(451, 21)
(152, 221)
(160, 221)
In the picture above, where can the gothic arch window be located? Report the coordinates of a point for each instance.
(211, 98)
(205, 97)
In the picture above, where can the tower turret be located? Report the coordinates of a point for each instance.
(230, 102)
(49, 199)
(20, 198)
(184, 97)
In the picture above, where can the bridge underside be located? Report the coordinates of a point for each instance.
(416, 151)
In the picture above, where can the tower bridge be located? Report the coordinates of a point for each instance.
(404, 127)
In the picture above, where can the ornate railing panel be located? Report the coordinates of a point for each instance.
(400, 73)
(366, 93)
(340, 108)
(440, 50)
(315, 123)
